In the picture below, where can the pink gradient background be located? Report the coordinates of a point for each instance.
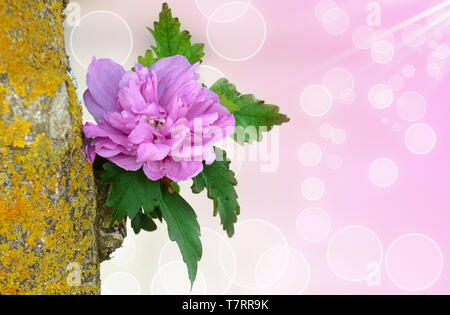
(297, 53)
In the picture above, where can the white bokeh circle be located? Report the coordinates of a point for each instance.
(172, 278)
(442, 52)
(316, 100)
(251, 240)
(96, 41)
(411, 106)
(352, 250)
(121, 283)
(338, 136)
(408, 71)
(240, 39)
(325, 130)
(312, 188)
(295, 278)
(217, 282)
(382, 52)
(334, 162)
(207, 7)
(380, 96)
(420, 138)
(336, 21)
(414, 262)
(435, 58)
(339, 82)
(383, 35)
(310, 154)
(432, 44)
(209, 74)
(322, 7)
(383, 172)
(313, 224)
(434, 69)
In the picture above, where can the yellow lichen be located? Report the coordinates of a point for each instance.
(14, 134)
(46, 214)
(33, 62)
(4, 106)
(25, 204)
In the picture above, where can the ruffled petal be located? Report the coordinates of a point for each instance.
(202, 104)
(106, 148)
(124, 121)
(129, 95)
(221, 129)
(209, 155)
(177, 79)
(203, 120)
(105, 130)
(90, 151)
(93, 107)
(127, 162)
(207, 107)
(149, 152)
(159, 118)
(142, 132)
(103, 79)
(182, 170)
(154, 170)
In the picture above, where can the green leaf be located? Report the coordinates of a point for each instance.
(130, 191)
(142, 221)
(183, 228)
(176, 187)
(148, 59)
(219, 180)
(156, 214)
(198, 183)
(248, 111)
(171, 41)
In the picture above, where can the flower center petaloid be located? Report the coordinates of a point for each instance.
(157, 123)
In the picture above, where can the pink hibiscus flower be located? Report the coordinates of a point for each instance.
(159, 118)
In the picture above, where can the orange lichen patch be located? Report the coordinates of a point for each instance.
(33, 59)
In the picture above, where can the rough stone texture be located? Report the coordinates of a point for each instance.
(48, 242)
